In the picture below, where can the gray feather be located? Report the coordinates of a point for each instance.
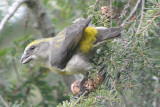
(68, 46)
(104, 33)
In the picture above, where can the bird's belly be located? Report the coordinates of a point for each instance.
(78, 64)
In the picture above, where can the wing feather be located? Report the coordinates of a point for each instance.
(69, 45)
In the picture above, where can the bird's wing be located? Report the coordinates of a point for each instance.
(72, 36)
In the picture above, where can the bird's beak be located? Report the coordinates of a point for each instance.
(25, 58)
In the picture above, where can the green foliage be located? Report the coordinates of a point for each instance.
(23, 84)
(63, 12)
(131, 63)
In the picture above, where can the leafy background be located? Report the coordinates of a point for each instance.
(131, 63)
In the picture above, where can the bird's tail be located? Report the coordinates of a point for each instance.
(105, 34)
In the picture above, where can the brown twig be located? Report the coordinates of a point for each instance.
(143, 57)
(132, 12)
(124, 11)
(3, 101)
(16, 5)
(111, 11)
(142, 11)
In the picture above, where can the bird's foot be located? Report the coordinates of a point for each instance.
(81, 85)
(85, 86)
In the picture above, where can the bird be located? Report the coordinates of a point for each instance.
(69, 52)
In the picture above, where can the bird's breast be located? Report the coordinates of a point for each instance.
(76, 65)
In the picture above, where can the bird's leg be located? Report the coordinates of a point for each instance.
(85, 78)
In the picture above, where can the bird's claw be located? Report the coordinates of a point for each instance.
(81, 84)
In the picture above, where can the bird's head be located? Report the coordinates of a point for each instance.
(37, 51)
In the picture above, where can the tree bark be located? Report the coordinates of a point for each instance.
(45, 25)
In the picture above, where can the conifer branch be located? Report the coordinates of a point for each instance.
(132, 12)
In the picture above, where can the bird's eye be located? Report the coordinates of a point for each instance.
(32, 47)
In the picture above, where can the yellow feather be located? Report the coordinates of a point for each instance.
(88, 39)
(60, 38)
(39, 41)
